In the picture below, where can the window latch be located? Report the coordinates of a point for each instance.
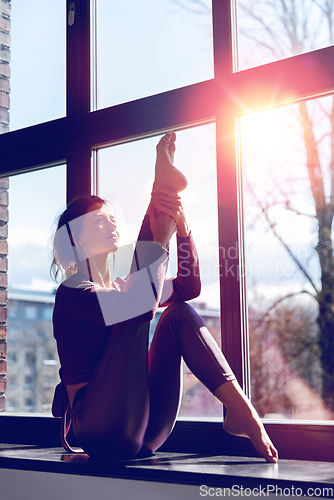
(70, 19)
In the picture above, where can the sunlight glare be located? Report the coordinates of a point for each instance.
(266, 131)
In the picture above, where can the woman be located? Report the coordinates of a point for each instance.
(122, 398)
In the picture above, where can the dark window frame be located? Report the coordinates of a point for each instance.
(74, 138)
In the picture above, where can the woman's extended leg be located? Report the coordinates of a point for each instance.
(182, 333)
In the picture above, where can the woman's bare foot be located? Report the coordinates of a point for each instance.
(166, 175)
(249, 425)
(243, 420)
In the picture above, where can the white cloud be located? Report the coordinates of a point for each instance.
(39, 285)
(28, 235)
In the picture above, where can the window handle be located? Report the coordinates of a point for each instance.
(71, 12)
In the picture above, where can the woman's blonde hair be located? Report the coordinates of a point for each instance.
(64, 263)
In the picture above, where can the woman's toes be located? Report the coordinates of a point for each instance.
(264, 446)
(272, 454)
(172, 136)
(249, 425)
(171, 147)
(164, 143)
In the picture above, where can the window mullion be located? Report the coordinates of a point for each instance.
(78, 95)
(229, 246)
(233, 342)
(222, 39)
(78, 59)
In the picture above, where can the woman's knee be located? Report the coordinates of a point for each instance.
(179, 307)
(183, 310)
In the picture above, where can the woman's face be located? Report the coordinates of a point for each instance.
(99, 232)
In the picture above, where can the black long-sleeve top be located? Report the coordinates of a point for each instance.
(84, 314)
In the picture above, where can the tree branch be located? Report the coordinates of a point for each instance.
(280, 300)
(285, 245)
(290, 252)
(289, 207)
(286, 201)
(200, 7)
(278, 41)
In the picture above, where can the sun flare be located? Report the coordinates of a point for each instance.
(266, 131)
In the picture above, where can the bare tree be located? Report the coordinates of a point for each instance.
(284, 349)
(284, 28)
(275, 29)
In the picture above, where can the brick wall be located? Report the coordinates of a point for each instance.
(5, 8)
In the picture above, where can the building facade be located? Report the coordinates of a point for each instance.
(32, 371)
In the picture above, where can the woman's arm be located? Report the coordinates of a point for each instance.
(187, 284)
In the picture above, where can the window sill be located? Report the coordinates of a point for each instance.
(214, 471)
(297, 441)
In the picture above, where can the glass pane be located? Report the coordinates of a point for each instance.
(148, 47)
(270, 30)
(288, 203)
(32, 360)
(126, 175)
(37, 55)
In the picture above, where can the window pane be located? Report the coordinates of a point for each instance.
(270, 30)
(126, 175)
(32, 367)
(148, 47)
(288, 193)
(37, 54)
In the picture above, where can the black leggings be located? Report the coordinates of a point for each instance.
(132, 400)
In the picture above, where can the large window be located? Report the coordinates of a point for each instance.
(37, 56)
(164, 46)
(33, 206)
(287, 198)
(126, 84)
(276, 29)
